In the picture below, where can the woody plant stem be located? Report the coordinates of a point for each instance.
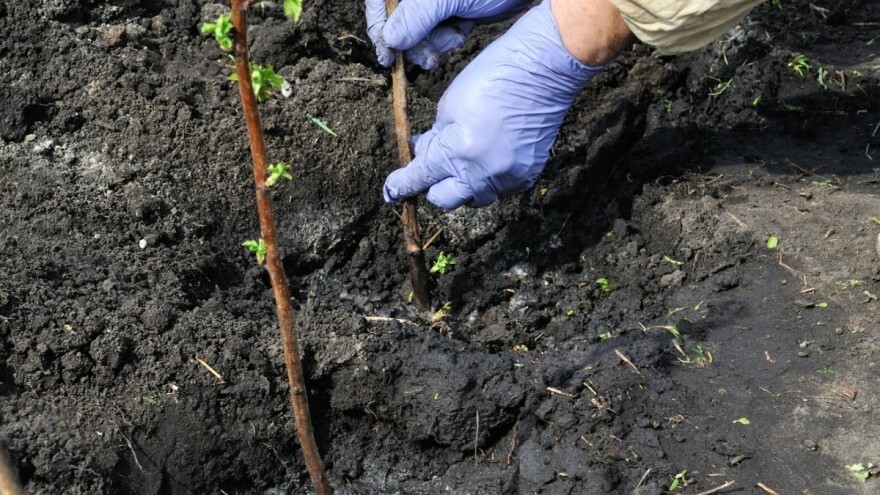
(298, 395)
(418, 274)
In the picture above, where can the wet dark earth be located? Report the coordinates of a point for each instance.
(621, 328)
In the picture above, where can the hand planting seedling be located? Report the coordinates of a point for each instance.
(443, 263)
(255, 84)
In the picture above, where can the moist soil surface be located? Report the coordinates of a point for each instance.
(621, 326)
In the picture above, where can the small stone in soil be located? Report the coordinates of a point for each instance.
(142, 244)
(810, 445)
(803, 354)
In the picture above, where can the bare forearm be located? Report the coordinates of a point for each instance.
(593, 31)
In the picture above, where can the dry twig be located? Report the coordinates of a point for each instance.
(211, 370)
(626, 360)
(767, 489)
(718, 488)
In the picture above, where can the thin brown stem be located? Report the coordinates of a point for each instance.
(418, 273)
(280, 287)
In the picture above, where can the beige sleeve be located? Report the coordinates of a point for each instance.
(681, 26)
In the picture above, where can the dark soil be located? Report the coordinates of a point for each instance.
(125, 194)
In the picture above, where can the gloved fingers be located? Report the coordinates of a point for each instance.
(412, 20)
(485, 193)
(450, 193)
(433, 163)
(450, 35)
(420, 141)
(376, 17)
(424, 55)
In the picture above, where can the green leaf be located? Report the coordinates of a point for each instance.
(257, 247)
(772, 242)
(604, 284)
(264, 80)
(861, 471)
(277, 172)
(220, 29)
(743, 421)
(318, 122)
(293, 9)
(443, 263)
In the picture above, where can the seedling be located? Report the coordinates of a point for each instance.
(442, 313)
(821, 183)
(756, 101)
(324, 127)
(604, 284)
(264, 80)
(862, 471)
(293, 9)
(605, 335)
(221, 29)
(569, 313)
(277, 172)
(520, 348)
(257, 247)
(848, 284)
(772, 242)
(443, 263)
(820, 77)
(777, 4)
(255, 84)
(436, 395)
(721, 87)
(673, 330)
(822, 305)
(670, 260)
(800, 64)
(874, 219)
(680, 481)
(742, 421)
(152, 400)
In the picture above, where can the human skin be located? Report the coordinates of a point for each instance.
(593, 31)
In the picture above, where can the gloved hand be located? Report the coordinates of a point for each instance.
(497, 121)
(427, 28)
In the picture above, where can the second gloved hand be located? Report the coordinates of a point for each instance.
(427, 28)
(497, 121)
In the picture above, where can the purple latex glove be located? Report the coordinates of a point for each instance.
(497, 121)
(427, 28)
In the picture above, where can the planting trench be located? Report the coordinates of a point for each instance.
(125, 193)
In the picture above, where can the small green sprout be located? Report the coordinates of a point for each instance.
(772, 242)
(569, 313)
(152, 400)
(220, 29)
(743, 421)
(776, 3)
(756, 101)
(680, 480)
(848, 284)
(443, 263)
(670, 260)
(800, 64)
(277, 172)
(518, 365)
(520, 348)
(604, 284)
(874, 219)
(862, 471)
(257, 247)
(293, 9)
(673, 330)
(826, 370)
(820, 77)
(821, 183)
(436, 395)
(605, 335)
(264, 79)
(822, 305)
(721, 87)
(698, 306)
(318, 122)
(442, 313)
